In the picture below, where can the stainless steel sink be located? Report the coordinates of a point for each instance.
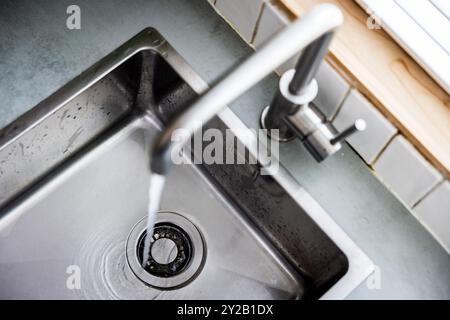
(74, 178)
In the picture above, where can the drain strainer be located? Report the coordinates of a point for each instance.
(176, 251)
(170, 250)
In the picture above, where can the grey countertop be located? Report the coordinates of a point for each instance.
(38, 55)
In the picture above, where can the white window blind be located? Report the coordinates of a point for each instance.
(422, 28)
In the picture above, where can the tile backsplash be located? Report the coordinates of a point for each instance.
(332, 90)
(392, 158)
(434, 213)
(379, 132)
(405, 171)
(270, 22)
(241, 14)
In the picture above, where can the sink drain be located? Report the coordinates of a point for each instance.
(176, 251)
(170, 250)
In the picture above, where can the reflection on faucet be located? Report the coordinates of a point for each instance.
(290, 110)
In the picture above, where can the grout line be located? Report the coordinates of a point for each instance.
(428, 193)
(377, 157)
(231, 25)
(256, 27)
(341, 103)
(369, 168)
(282, 9)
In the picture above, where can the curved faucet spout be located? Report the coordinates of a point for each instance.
(322, 19)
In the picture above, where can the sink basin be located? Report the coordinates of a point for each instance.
(74, 179)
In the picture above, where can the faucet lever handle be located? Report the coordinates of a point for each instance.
(359, 125)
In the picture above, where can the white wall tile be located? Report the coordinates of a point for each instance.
(370, 142)
(271, 22)
(405, 171)
(434, 213)
(332, 90)
(242, 15)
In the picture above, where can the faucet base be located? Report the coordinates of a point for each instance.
(287, 137)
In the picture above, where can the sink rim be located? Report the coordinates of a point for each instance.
(360, 266)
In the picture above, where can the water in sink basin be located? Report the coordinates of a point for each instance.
(80, 222)
(154, 198)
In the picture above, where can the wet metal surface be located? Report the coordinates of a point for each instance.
(37, 60)
(262, 243)
(80, 214)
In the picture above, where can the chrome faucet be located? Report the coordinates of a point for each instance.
(289, 111)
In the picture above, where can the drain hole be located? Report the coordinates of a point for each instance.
(170, 250)
(177, 251)
(164, 251)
